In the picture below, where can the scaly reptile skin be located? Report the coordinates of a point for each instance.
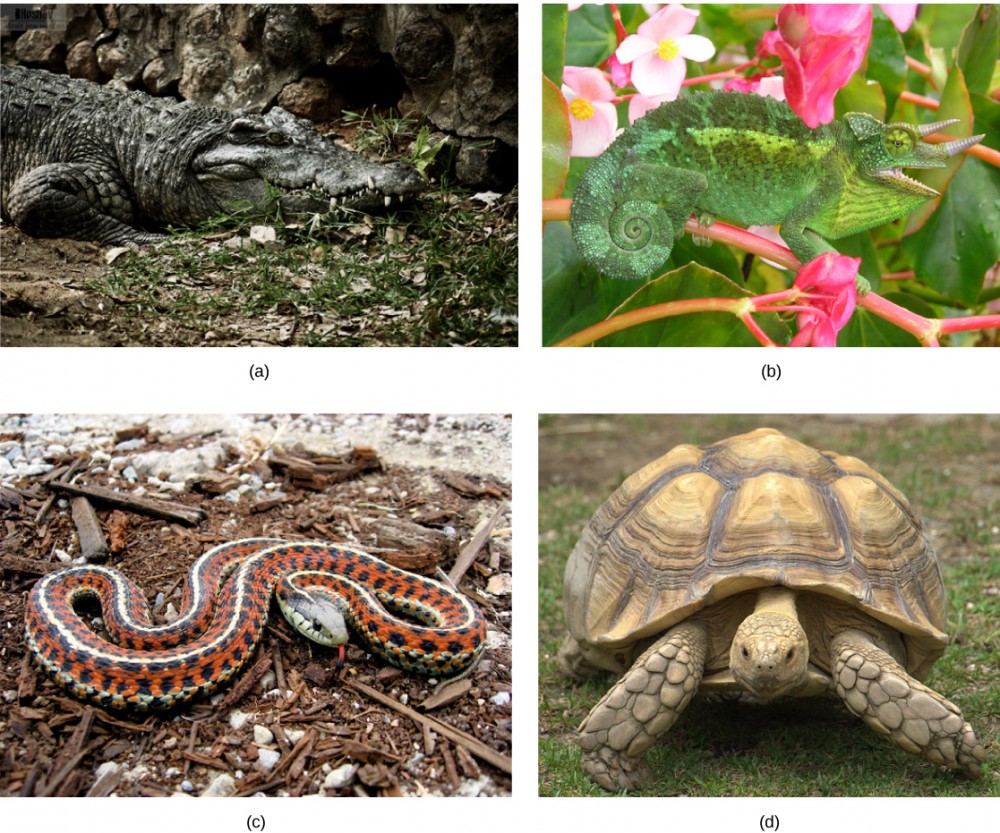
(224, 611)
(91, 162)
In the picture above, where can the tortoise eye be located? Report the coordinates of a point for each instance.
(746, 653)
(790, 654)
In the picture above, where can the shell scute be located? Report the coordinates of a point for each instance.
(700, 525)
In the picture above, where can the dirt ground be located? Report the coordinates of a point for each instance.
(364, 285)
(45, 300)
(385, 728)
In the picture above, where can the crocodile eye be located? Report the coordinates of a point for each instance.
(276, 139)
(898, 142)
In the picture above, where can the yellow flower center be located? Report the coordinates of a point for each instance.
(581, 109)
(668, 50)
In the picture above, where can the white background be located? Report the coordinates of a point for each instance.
(524, 382)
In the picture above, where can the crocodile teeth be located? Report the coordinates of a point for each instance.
(387, 201)
(371, 183)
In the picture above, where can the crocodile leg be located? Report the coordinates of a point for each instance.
(75, 200)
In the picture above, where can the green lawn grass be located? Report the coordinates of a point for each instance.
(441, 271)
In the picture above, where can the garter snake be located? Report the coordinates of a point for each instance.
(224, 610)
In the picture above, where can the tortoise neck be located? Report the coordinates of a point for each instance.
(776, 600)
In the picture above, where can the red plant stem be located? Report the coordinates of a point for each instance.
(970, 322)
(555, 209)
(616, 16)
(609, 326)
(755, 329)
(924, 329)
(919, 100)
(789, 294)
(729, 73)
(919, 68)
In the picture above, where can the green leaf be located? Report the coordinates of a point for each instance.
(987, 112)
(978, 47)
(727, 25)
(717, 257)
(961, 240)
(941, 24)
(590, 37)
(858, 96)
(955, 104)
(557, 140)
(887, 59)
(554, 22)
(701, 329)
(867, 330)
(574, 296)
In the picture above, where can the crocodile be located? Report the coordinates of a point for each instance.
(90, 162)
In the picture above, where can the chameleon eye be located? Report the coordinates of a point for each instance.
(898, 142)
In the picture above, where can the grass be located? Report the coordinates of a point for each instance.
(796, 747)
(441, 271)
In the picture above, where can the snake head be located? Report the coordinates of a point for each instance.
(315, 615)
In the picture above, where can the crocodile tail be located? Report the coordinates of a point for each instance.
(619, 233)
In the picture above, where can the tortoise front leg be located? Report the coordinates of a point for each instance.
(916, 718)
(619, 730)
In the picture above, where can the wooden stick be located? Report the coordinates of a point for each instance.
(468, 555)
(31, 566)
(163, 509)
(93, 547)
(476, 747)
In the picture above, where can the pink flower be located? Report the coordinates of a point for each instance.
(639, 105)
(821, 47)
(593, 118)
(829, 284)
(769, 86)
(658, 51)
(901, 14)
(621, 74)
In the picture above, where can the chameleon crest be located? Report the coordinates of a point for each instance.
(750, 160)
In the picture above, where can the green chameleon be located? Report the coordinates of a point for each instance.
(751, 160)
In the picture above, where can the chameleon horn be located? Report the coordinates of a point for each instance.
(952, 148)
(926, 129)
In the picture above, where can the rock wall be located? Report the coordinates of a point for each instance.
(455, 65)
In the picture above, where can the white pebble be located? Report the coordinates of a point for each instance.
(268, 758)
(341, 777)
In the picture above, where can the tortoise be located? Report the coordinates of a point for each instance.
(762, 566)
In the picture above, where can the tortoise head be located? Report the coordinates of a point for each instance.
(770, 654)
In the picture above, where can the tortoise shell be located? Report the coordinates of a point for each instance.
(701, 524)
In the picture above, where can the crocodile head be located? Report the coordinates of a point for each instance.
(258, 155)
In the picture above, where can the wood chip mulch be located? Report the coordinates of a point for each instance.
(292, 724)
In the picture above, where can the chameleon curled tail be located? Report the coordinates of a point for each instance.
(626, 215)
